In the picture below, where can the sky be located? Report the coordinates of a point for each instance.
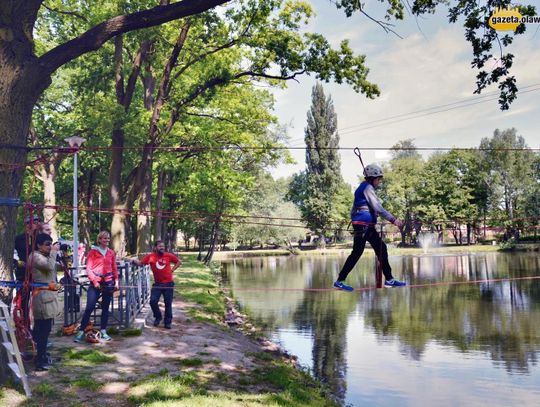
(429, 66)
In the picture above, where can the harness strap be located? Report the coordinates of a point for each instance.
(110, 273)
(50, 287)
(361, 208)
(361, 222)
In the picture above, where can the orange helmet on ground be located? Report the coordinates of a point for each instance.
(93, 336)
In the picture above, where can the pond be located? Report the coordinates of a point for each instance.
(465, 332)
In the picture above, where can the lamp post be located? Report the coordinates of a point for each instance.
(75, 142)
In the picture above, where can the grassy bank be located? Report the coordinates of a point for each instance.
(121, 373)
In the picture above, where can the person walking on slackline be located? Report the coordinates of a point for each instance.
(364, 212)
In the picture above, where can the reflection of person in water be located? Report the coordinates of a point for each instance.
(160, 263)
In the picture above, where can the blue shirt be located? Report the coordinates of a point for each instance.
(366, 205)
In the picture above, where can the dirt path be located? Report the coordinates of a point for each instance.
(190, 345)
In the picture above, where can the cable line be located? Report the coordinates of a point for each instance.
(422, 115)
(435, 107)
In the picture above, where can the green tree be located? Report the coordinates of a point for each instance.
(211, 54)
(401, 185)
(446, 198)
(266, 206)
(511, 167)
(531, 202)
(322, 179)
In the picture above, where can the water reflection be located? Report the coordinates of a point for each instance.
(496, 322)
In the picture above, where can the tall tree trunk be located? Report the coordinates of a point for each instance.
(86, 219)
(19, 89)
(21, 83)
(144, 219)
(321, 243)
(116, 190)
(200, 240)
(118, 230)
(170, 236)
(169, 229)
(48, 177)
(214, 235)
(158, 222)
(47, 174)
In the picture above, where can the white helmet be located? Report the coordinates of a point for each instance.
(373, 170)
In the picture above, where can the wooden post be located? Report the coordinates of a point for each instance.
(378, 273)
(378, 265)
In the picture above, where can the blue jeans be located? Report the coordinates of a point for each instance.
(106, 293)
(167, 290)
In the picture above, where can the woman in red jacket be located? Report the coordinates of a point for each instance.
(103, 276)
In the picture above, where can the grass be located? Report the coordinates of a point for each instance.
(171, 394)
(396, 251)
(86, 382)
(194, 283)
(159, 389)
(86, 357)
(113, 330)
(45, 389)
(283, 384)
(190, 362)
(131, 332)
(266, 356)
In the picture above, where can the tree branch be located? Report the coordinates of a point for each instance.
(229, 44)
(94, 38)
(137, 63)
(118, 69)
(211, 83)
(202, 56)
(219, 118)
(164, 87)
(385, 26)
(67, 13)
(267, 76)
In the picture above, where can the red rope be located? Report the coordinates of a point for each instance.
(211, 217)
(426, 285)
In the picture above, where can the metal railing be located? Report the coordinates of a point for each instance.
(134, 293)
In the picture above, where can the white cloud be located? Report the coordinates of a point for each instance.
(416, 73)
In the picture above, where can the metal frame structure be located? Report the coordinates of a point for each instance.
(134, 294)
(9, 341)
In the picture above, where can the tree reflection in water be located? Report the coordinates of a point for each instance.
(497, 319)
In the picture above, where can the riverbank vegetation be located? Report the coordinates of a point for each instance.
(132, 371)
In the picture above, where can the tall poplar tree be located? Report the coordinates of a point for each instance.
(323, 165)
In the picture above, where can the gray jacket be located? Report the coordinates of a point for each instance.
(44, 302)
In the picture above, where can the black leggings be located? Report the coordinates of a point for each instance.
(363, 234)
(40, 333)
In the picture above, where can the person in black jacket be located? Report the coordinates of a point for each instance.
(24, 245)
